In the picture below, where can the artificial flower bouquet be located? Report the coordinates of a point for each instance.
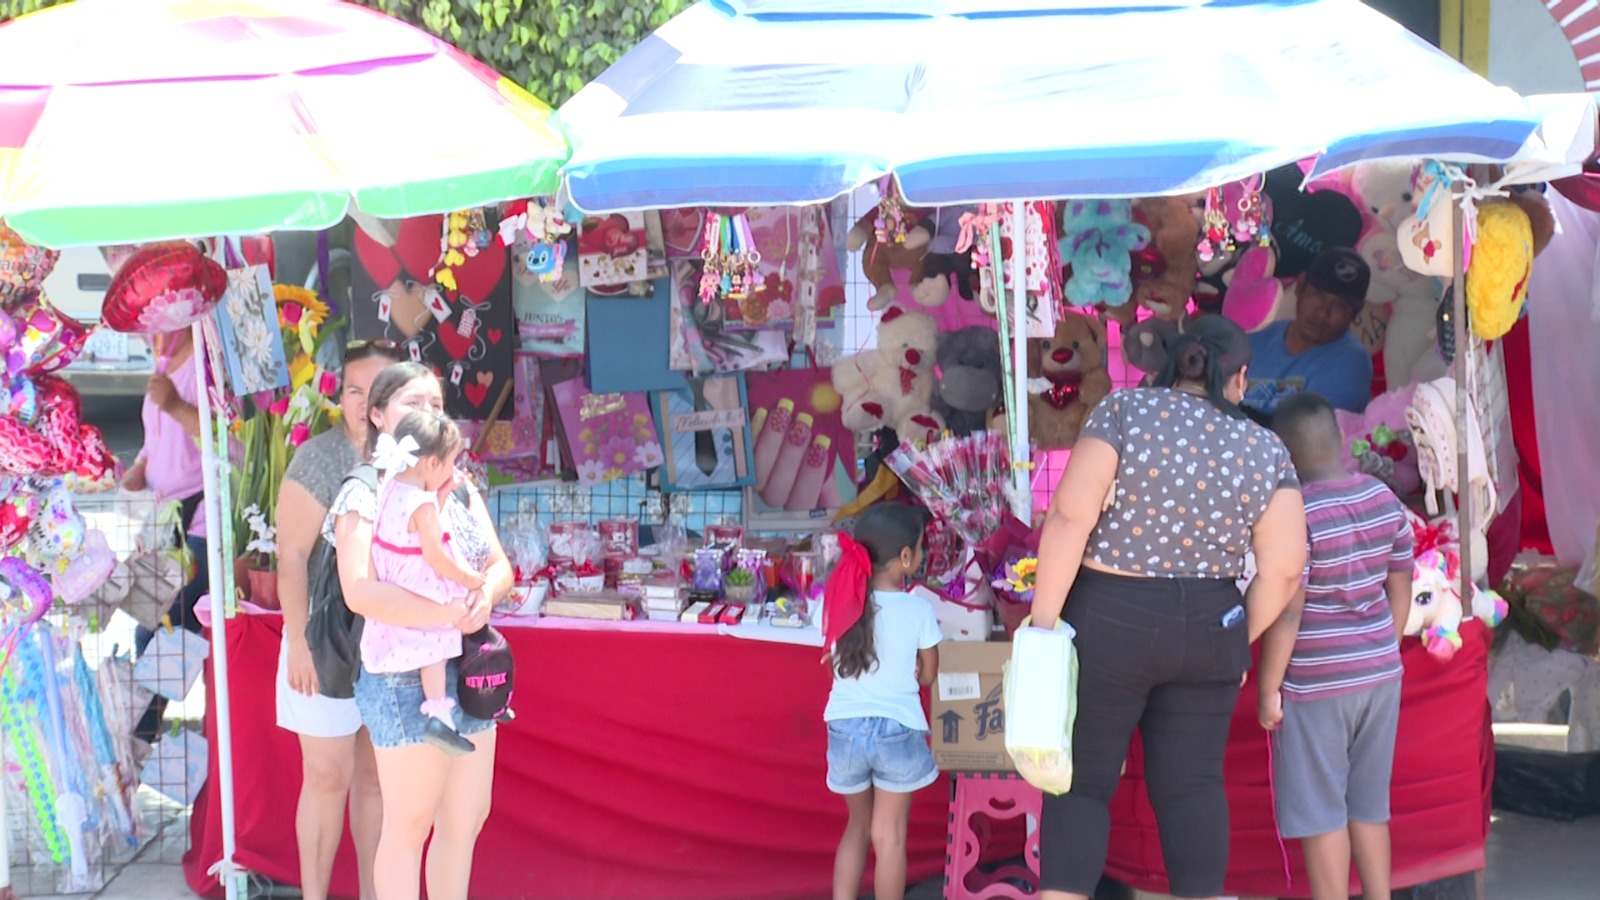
(270, 426)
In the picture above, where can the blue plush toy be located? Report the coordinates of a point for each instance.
(1099, 238)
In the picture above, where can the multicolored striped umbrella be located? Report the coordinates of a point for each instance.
(798, 101)
(126, 121)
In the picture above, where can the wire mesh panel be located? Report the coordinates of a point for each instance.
(101, 768)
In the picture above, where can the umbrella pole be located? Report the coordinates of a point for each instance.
(1021, 484)
(1464, 511)
(211, 471)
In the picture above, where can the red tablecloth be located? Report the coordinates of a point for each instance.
(1440, 799)
(675, 766)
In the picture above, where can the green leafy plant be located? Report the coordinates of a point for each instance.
(550, 47)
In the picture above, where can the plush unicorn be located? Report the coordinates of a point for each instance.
(1435, 606)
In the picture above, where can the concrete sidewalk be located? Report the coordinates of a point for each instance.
(1529, 859)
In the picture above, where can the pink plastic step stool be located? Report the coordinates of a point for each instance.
(977, 799)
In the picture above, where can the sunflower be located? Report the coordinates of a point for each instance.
(313, 307)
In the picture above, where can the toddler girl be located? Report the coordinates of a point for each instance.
(411, 549)
(884, 644)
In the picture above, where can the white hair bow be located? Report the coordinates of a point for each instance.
(394, 456)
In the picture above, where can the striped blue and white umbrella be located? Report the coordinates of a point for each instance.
(798, 101)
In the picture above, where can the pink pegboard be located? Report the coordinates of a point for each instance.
(979, 800)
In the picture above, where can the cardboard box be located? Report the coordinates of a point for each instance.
(968, 719)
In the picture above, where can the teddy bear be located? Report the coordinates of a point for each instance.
(1098, 240)
(970, 379)
(880, 259)
(940, 230)
(1066, 377)
(892, 384)
(1164, 272)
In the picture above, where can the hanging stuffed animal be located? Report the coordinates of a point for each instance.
(970, 379)
(1098, 240)
(880, 259)
(892, 384)
(1502, 261)
(1164, 271)
(1067, 377)
(940, 231)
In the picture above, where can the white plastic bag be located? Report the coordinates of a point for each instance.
(1041, 703)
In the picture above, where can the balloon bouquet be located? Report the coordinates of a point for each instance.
(48, 455)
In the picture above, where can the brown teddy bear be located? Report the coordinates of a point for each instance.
(1165, 272)
(879, 259)
(1066, 377)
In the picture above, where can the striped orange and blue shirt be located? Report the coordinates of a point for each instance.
(1359, 534)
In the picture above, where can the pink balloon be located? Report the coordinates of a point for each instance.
(30, 593)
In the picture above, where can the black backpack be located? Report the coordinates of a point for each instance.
(333, 632)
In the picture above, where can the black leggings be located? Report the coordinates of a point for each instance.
(1153, 654)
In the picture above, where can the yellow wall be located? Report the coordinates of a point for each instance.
(1464, 32)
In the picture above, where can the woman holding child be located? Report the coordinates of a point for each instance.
(1167, 490)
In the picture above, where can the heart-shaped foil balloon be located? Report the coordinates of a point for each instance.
(27, 595)
(162, 288)
(21, 400)
(23, 451)
(47, 339)
(60, 417)
(97, 467)
(23, 267)
(84, 574)
(16, 515)
(58, 531)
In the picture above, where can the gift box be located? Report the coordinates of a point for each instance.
(595, 605)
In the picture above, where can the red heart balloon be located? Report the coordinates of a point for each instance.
(60, 418)
(16, 515)
(162, 288)
(23, 451)
(95, 459)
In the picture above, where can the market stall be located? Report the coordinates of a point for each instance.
(672, 401)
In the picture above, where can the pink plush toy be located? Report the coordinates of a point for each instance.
(1378, 442)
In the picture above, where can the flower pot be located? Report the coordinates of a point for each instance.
(262, 588)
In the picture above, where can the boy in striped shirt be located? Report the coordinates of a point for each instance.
(1330, 667)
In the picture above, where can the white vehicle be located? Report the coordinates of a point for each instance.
(112, 364)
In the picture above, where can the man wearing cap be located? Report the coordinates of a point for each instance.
(1315, 351)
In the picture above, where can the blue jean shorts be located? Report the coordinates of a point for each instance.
(881, 753)
(391, 708)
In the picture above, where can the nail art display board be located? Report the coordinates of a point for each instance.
(705, 435)
(804, 455)
(467, 335)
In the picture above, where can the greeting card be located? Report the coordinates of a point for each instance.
(514, 443)
(612, 250)
(608, 435)
(465, 334)
(705, 435)
(252, 344)
(703, 342)
(550, 318)
(804, 456)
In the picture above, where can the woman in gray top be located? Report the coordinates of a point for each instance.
(335, 751)
(1165, 492)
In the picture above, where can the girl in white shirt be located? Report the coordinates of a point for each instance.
(884, 645)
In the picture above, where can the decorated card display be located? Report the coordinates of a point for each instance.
(608, 435)
(252, 344)
(804, 456)
(515, 443)
(550, 318)
(612, 250)
(705, 435)
(702, 340)
(1043, 270)
(465, 333)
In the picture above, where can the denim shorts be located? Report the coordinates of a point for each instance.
(881, 753)
(391, 708)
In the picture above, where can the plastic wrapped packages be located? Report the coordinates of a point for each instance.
(526, 547)
(1041, 702)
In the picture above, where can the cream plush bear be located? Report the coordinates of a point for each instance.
(1387, 192)
(892, 385)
